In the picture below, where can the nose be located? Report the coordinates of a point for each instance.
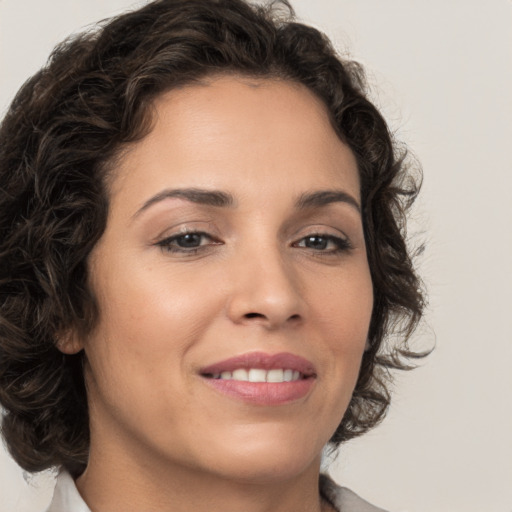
(265, 291)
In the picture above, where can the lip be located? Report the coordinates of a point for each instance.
(263, 361)
(262, 393)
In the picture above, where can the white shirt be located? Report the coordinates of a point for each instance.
(66, 497)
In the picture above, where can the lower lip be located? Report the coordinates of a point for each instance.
(263, 393)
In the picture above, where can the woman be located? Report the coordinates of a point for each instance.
(202, 252)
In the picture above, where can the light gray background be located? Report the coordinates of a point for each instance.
(443, 76)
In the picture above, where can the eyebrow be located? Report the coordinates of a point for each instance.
(194, 195)
(325, 197)
(222, 199)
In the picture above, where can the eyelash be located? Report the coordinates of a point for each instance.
(166, 243)
(340, 244)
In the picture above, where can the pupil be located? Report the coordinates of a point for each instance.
(190, 240)
(316, 242)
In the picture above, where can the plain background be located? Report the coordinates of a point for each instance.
(442, 74)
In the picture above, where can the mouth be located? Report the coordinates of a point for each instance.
(262, 379)
(259, 375)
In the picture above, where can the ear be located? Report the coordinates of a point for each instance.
(68, 342)
(368, 345)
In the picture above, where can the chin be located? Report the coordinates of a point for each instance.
(264, 457)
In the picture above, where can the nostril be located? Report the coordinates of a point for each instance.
(248, 316)
(254, 315)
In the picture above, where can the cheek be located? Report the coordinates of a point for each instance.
(151, 308)
(344, 305)
(147, 324)
(342, 314)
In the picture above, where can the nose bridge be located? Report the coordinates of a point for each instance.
(266, 288)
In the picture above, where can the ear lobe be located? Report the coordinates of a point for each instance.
(68, 342)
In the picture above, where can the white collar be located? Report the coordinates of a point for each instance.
(66, 497)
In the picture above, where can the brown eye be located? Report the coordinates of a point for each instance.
(324, 243)
(187, 242)
(316, 242)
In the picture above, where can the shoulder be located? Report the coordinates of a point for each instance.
(344, 499)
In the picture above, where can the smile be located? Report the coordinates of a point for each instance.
(260, 375)
(262, 379)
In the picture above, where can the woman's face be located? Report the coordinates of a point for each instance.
(234, 250)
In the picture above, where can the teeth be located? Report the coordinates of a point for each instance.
(260, 375)
(241, 374)
(256, 375)
(275, 376)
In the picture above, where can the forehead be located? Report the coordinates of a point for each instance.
(234, 133)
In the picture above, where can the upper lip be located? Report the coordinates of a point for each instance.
(284, 360)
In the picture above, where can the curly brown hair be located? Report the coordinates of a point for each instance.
(58, 144)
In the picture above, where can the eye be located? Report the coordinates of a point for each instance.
(324, 243)
(186, 242)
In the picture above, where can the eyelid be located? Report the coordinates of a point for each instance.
(320, 229)
(171, 242)
(185, 228)
(168, 244)
(343, 242)
(180, 234)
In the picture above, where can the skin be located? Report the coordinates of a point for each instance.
(162, 439)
